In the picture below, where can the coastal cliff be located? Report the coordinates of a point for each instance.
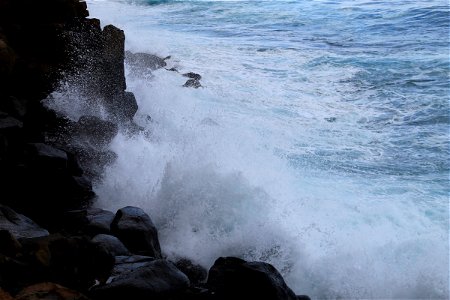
(53, 243)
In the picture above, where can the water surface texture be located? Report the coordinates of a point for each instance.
(319, 141)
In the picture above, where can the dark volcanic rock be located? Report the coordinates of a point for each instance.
(126, 264)
(142, 62)
(158, 279)
(196, 273)
(195, 83)
(46, 156)
(193, 75)
(234, 278)
(95, 131)
(19, 225)
(99, 221)
(113, 57)
(111, 243)
(136, 230)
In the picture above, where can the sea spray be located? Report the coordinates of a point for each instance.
(286, 155)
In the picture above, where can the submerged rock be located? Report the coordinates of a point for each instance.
(193, 75)
(195, 83)
(136, 230)
(234, 278)
(141, 62)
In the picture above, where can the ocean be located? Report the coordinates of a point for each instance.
(318, 142)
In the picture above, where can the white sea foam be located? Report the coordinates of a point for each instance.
(215, 169)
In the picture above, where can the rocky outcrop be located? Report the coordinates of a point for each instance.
(234, 278)
(18, 225)
(136, 230)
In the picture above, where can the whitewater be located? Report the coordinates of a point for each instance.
(319, 141)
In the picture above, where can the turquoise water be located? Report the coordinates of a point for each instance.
(319, 141)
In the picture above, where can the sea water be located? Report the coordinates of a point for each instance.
(319, 141)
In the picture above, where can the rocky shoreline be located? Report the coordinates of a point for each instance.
(53, 243)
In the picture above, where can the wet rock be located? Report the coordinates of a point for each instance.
(124, 106)
(113, 60)
(196, 273)
(331, 119)
(234, 278)
(194, 83)
(111, 243)
(136, 230)
(95, 131)
(8, 123)
(49, 290)
(193, 75)
(46, 156)
(142, 62)
(99, 221)
(19, 225)
(303, 297)
(126, 264)
(158, 279)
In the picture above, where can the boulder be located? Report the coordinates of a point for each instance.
(113, 70)
(126, 264)
(142, 62)
(46, 156)
(158, 279)
(111, 243)
(196, 273)
(136, 230)
(123, 106)
(99, 221)
(234, 278)
(49, 291)
(193, 75)
(19, 225)
(194, 83)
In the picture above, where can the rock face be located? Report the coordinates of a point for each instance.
(19, 225)
(158, 279)
(234, 278)
(136, 230)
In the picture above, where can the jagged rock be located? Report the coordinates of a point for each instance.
(113, 60)
(19, 225)
(136, 230)
(192, 83)
(194, 272)
(111, 243)
(141, 62)
(49, 291)
(234, 278)
(158, 279)
(193, 75)
(95, 131)
(123, 106)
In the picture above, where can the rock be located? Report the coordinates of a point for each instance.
(124, 106)
(331, 119)
(113, 57)
(14, 274)
(111, 243)
(7, 122)
(126, 264)
(49, 291)
(234, 278)
(158, 279)
(95, 131)
(303, 297)
(9, 245)
(141, 62)
(19, 225)
(75, 262)
(193, 75)
(99, 221)
(136, 230)
(196, 273)
(192, 83)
